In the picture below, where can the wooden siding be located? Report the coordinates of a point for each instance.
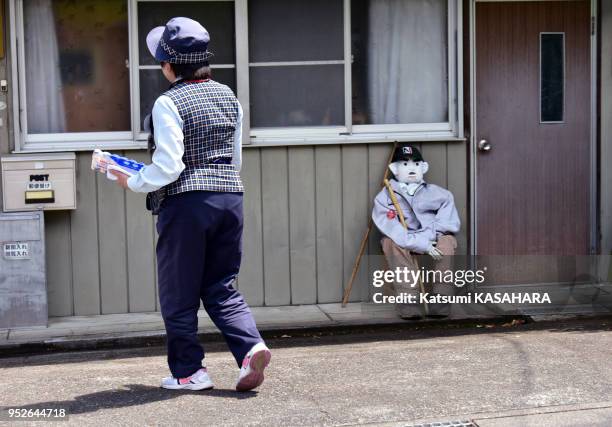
(306, 209)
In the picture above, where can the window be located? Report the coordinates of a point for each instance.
(296, 63)
(353, 70)
(73, 51)
(218, 18)
(306, 71)
(552, 69)
(400, 67)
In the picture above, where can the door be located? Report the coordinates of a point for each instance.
(533, 138)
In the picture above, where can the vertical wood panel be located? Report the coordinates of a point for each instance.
(457, 170)
(302, 225)
(305, 210)
(275, 226)
(355, 215)
(111, 225)
(328, 197)
(378, 155)
(434, 154)
(59, 265)
(140, 258)
(84, 230)
(251, 272)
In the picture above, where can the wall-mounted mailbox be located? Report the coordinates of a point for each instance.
(41, 181)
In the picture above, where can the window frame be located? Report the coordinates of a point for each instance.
(450, 130)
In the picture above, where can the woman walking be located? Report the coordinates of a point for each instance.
(195, 186)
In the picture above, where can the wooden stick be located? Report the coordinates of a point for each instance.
(364, 241)
(349, 287)
(400, 214)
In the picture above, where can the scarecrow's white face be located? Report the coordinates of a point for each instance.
(409, 171)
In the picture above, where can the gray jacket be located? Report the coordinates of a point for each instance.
(429, 213)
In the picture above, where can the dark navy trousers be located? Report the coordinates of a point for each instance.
(198, 258)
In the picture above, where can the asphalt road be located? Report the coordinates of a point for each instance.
(505, 375)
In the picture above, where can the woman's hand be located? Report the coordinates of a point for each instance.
(121, 178)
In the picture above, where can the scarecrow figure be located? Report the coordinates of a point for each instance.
(416, 217)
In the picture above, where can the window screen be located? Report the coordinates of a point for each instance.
(296, 53)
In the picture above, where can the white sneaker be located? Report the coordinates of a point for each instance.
(253, 365)
(197, 381)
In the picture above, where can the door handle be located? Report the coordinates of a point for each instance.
(484, 145)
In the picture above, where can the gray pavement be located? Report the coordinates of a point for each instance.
(541, 374)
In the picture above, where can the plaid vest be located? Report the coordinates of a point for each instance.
(209, 111)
